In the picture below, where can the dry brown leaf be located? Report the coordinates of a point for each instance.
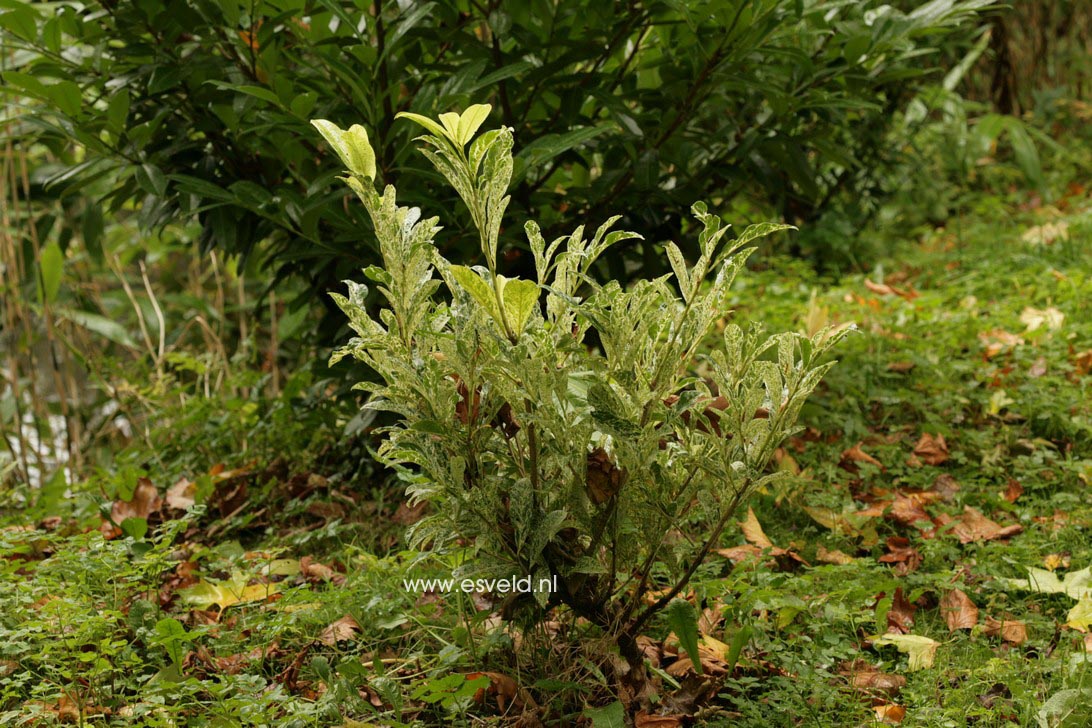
(883, 289)
(407, 515)
(314, 571)
(180, 496)
(973, 526)
(901, 367)
(752, 531)
(1082, 362)
(1010, 630)
(997, 341)
(758, 544)
(932, 450)
(644, 720)
(144, 503)
(908, 508)
(743, 552)
(905, 557)
(501, 687)
(651, 649)
(946, 487)
(1013, 490)
(890, 713)
(710, 618)
(900, 617)
(340, 631)
(833, 556)
(856, 455)
(877, 683)
(958, 610)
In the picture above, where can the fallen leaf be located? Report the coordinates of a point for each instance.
(901, 367)
(972, 526)
(908, 508)
(1046, 233)
(1010, 630)
(1076, 584)
(1082, 362)
(946, 487)
(890, 713)
(644, 720)
(833, 556)
(900, 617)
(1080, 616)
(856, 455)
(181, 495)
(958, 610)
(144, 503)
(1035, 318)
(204, 594)
(905, 557)
(1056, 561)
(1013, 490)
(863, 676)
(845, 523)
(407, 515)
(997, 341)
(883, 289)
(931, 449)
(921, 650)
(503, 688)
(878, 682)
(758, 544)
(752, 531)
(314, 571)
(342, 630)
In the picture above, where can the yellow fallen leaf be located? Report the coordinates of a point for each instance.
(204, 594)
(921, 650)
(1076, 584)
(1080, 616)
(1035, 318)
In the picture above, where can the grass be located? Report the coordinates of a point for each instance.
(278, 600)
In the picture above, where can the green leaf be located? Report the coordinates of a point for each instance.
(1024, 150)
(520, 298)
(678, 265)
(171, 634)
(257, 92)
(759, 230)
(351, 145)
(683, 620)
(471, 120)
(609, 716)
(151, 180)
(469, 280)
(739, 641)
(134, 528)
(51, 267)
(20, 19)
(426, 122)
